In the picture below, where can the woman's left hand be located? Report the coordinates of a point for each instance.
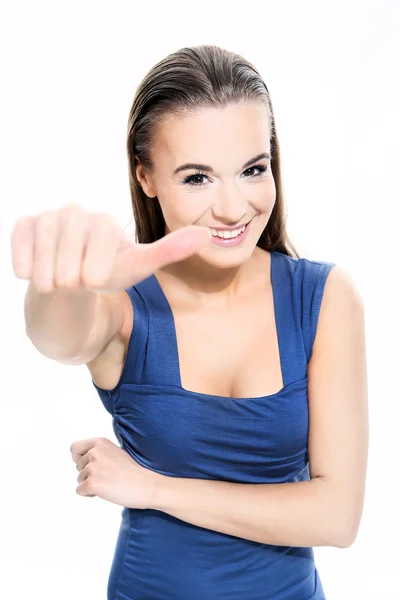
(109, 472)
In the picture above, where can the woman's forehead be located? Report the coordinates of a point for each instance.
(233, 130)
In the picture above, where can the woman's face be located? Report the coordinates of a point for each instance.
(233, 187)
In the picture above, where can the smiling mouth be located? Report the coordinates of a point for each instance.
(229, 235)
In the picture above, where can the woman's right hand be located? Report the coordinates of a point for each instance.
(72, 248)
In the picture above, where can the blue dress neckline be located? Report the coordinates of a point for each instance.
(275, 285)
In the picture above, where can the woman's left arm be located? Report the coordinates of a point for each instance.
(327, 510)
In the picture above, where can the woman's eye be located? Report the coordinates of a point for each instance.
(193, 179)
(260, 168)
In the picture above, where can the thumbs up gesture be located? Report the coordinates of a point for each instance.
(72, 248)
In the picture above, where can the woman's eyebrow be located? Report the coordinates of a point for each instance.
(210, 169)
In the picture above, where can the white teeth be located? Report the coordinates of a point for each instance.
(228, 234)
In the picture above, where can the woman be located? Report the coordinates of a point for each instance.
(234, 370)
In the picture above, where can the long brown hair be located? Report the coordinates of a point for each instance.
(189, 79)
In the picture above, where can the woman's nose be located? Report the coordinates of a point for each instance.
(230, 205)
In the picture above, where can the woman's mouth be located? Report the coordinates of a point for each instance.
(230, 238)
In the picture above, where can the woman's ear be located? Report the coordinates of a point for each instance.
(144, 179)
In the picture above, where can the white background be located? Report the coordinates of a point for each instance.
(68, 76)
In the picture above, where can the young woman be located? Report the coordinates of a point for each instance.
(234, 370)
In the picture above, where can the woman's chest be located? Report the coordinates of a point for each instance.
(232, 353)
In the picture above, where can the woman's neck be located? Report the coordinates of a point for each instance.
(195, 277)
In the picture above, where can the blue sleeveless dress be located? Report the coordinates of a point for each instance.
(187, 434)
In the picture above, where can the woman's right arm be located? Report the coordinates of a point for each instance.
(79, 265)
(72, 326)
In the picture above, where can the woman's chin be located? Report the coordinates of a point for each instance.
(225, 257)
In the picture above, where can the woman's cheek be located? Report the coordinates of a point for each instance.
(191, 207)
(180, 210)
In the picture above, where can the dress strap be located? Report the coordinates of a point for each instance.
(313, 275)
(287, 319)
(298, 290)
(160, 358)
